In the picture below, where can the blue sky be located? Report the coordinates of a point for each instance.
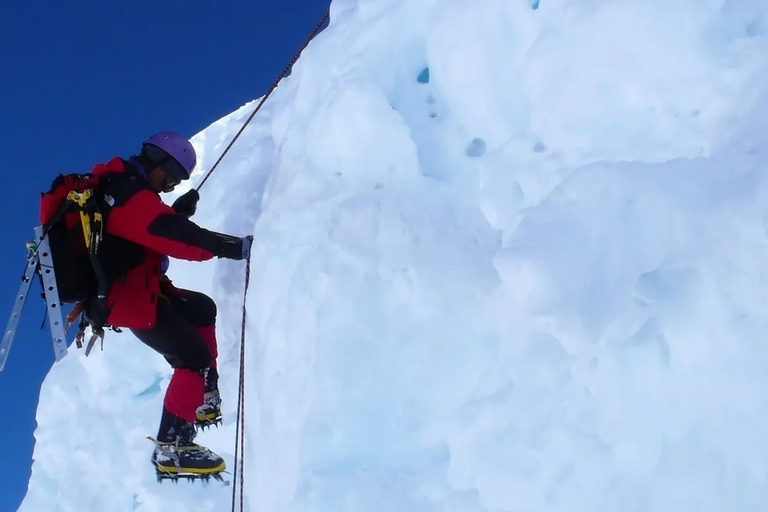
(84, 81)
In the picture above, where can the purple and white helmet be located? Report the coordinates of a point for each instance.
(175, 146)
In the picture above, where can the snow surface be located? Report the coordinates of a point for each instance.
(510, 256)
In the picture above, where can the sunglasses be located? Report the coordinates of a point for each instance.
(169, 182)
(174, 171)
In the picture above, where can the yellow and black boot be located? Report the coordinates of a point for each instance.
(177, 456)
(209, 414)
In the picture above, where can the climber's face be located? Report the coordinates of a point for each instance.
(161, 181)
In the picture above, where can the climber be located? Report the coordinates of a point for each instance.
(140, 233)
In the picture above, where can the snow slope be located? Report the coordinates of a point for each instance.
(509, 257)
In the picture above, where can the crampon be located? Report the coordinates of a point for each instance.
(190, 477)
(203, 423)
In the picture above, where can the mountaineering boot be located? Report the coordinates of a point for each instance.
(177, 456)
(209, 414)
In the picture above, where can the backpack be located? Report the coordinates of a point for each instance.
(73, 214)
(66, 256)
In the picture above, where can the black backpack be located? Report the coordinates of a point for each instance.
(73, 214)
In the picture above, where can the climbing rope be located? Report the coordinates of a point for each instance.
(240, 422)
(287, 68)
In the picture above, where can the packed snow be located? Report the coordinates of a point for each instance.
(510, 257)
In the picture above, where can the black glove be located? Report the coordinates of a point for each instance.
(234, 248)
(186, 204)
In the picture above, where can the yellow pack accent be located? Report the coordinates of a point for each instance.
(80, 198)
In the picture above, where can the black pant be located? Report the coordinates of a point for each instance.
(176, 336)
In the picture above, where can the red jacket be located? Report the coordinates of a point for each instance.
(139, 230)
